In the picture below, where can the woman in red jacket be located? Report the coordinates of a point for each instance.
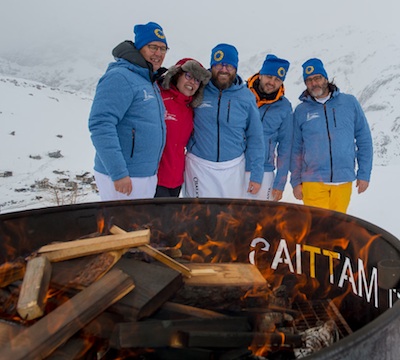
(182, 88)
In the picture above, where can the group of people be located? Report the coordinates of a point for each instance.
(196, 132)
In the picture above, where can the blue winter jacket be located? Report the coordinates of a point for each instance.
(277, 120)
(226, 124)
(330, 140)
(127, 122)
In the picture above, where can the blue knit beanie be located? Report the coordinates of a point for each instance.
(147, 33)
(225, 54)
(275, 67)
(313, 67)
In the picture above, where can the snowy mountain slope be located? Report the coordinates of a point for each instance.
(73, 73)
(43, 136)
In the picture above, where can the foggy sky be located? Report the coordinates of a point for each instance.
(93, 27)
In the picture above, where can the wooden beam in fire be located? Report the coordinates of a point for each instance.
(83, 247)
(54, 329)
(156, 254)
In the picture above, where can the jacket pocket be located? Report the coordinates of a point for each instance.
(229, 111)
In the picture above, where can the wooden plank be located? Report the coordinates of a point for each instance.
(8, 331)
(174, 308)
(123, 238)
(227, 289)
(54, 329)
(74, 348)
(158, 255)
(142, 333)
(102, 326)
(77, 248)
(81, 272)
(235, 339)
(155, 284)
(32, 298)
(11, 271)
(225, 274)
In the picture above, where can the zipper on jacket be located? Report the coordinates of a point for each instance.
(133, 141)
(218, 130)
(330, 141)
(265, 112)
(334, 117)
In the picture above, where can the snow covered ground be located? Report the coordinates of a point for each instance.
(38, 123)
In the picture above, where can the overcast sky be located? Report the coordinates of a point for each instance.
(192, 28)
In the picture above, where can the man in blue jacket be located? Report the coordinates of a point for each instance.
(127, 118)
(226, 124)
(277, 120)
(332, 144)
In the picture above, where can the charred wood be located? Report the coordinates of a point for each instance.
(51, 331)
(235, 339)
(156, 254)
(141, 333)
(12, 271)
(154, 285)
(222, 287)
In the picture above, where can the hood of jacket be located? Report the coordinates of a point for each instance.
(252, 84)
(127, 51)
(198, 71)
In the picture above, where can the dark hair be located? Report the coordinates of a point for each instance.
(331, 85)
(174, 79)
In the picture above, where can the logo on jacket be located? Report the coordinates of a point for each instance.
(205, 104)
(147, 96)
(311, 116)
(169, 116)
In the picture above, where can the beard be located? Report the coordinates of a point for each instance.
(222, 79)
(319, 91)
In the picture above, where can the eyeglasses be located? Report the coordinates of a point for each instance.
(154, 48)
(316, 78)
(189, 76)
(228, 67)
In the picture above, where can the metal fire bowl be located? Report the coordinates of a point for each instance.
(316, 253)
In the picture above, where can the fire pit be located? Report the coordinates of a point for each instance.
(332, 262)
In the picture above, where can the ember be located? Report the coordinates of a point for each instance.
(210, 279)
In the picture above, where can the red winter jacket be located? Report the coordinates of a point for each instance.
(179, 122)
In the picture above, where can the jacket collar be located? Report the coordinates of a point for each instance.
(252, 84)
